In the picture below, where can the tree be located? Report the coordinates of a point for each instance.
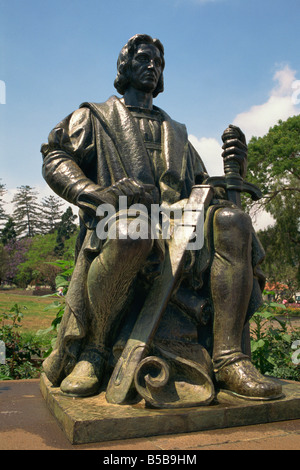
(16, 252)
(3, 215)
(65, 229)
(38, 266)
(281, 265)
(3, 263)
(26, 214)
(274, 165)
(51, 212)
(8, 232)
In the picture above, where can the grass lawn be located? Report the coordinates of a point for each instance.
(35, 317)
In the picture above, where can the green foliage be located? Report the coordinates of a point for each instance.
(3, 262)
(8, 232)
(37, 266)
(65, 229)
(274, 165)
(3, 215)
(271, 342)
(19, 350)
(62, 283)
(282, 262)
(52, 232)
(274, 161)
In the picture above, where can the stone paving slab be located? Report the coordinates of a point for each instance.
(27, 424)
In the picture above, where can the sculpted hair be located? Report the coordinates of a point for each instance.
(122, 82)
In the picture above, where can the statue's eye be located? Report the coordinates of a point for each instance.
(143, 58)
(146, 59)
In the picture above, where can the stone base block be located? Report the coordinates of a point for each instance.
(86, 420)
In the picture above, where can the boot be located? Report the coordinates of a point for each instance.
(242, 379)
(85, 379)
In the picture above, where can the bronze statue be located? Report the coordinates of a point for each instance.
(131, 316)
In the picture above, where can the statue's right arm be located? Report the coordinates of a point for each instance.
(69, 151)
(70, 155)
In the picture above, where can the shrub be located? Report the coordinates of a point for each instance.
(23, 353)
(272, 339)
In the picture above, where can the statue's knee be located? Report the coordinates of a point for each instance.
(233, 219)
(128, 241)
(134, 247)
(232, 233)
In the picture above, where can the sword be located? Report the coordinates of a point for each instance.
(137, 346)
(232, 180)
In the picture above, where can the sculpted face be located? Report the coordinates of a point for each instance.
(146, 68)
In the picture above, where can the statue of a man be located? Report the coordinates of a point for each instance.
(129, 147)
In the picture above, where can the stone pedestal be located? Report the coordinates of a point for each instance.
(86, 420)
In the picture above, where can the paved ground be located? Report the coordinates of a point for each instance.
(26, 424)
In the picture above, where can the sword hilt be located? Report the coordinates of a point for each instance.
(232, 167)
(232, 180)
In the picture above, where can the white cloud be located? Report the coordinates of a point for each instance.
(261, 219)
(280, 105)
(257, 121)
(210, 150)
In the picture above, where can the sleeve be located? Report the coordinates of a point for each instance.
(71, 146)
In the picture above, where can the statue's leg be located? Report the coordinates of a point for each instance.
(108, 284)
(231, 287)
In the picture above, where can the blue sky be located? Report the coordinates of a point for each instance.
(226, 61)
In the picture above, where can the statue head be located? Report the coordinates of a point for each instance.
(122, 80)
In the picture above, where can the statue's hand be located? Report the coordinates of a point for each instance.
(235, 148)
(135, 192)
(93, 195)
